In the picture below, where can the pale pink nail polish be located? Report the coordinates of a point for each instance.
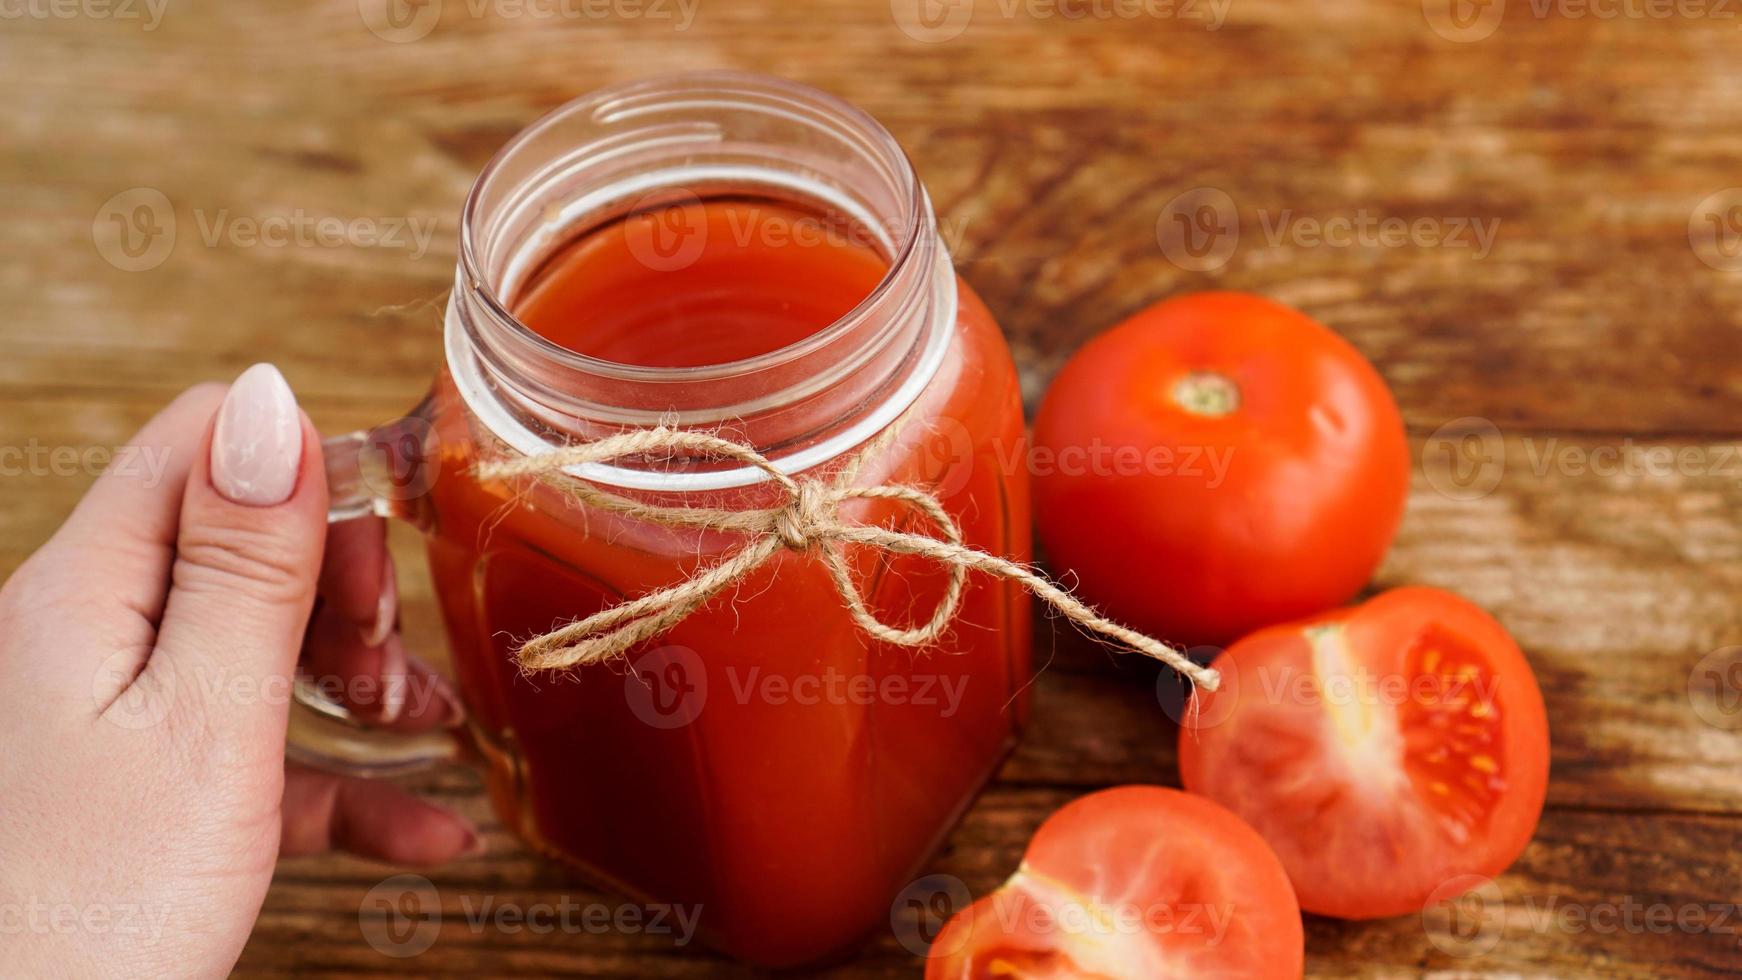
(257, 444)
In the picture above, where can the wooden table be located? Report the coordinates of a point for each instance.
(1601, 321)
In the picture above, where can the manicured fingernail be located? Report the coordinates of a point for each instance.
(430, 691)
(386, 608)
(257, 443)
(395, 665)
(453, 712)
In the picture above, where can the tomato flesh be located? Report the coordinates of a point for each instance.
(1133, 883)
(1381, 751)
(1453, 741)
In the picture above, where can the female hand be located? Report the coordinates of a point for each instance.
(146, 658)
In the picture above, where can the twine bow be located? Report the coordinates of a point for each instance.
(808, 520)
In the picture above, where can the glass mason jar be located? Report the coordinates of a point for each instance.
(765, 760)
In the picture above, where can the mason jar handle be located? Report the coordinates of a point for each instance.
(348, 493)
(384, 471)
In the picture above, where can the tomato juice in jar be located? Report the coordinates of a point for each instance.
(740, 255)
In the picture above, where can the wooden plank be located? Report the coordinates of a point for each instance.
(1585, 894)
(1654, 543)
(1054, 148)
(1052, 170)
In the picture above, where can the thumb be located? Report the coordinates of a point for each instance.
(247, 553)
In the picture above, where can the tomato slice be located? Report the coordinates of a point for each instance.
(1133, 883)
(1381, 750)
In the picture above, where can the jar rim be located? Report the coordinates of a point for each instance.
(633, 146)
(913, 223)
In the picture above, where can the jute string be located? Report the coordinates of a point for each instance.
(808, 520)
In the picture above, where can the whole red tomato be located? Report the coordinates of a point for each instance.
(1218, 463)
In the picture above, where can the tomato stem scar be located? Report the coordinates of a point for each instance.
(1207, 393)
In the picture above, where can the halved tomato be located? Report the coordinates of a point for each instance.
(1134, 883)
(1382, 750)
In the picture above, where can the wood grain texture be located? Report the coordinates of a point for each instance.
(1591, 325)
